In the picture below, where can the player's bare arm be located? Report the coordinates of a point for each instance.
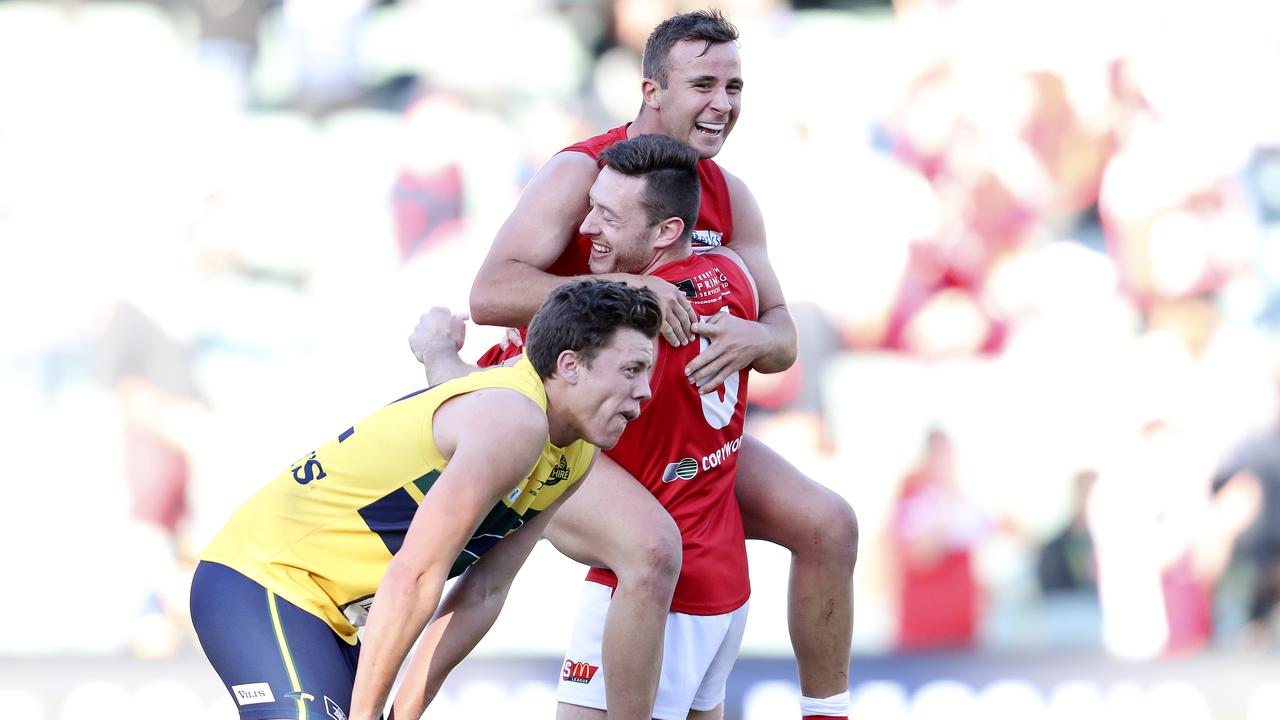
(512, 281)
(468, 612)
(768, 345)
(483, 466)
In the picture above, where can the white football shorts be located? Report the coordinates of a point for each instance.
(698, 653)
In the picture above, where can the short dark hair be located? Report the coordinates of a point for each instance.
(583, 316)
(670, 170)
(710, 26)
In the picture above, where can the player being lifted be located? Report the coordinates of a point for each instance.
(643, 206)
(692, 92)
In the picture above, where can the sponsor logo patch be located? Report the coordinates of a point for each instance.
(357, 612)
(578, 672)
(710, 238)
(252, 693)
(721, 454)
(558, 473)
(333, 710)
(686, 469)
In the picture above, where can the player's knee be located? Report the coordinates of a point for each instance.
(652, 564)
(833, 532)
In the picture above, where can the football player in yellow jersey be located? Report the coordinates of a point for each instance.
(458, 479)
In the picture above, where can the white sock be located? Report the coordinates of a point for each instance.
(835, 706)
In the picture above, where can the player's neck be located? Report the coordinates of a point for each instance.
(560, 429)
(648, 122)
(561, 433)
(666, 256)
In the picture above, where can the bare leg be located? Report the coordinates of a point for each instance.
(614, 522)
(782, 506)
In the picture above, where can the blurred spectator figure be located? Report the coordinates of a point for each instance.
(153, 381)
(152, 378)
(1072, 148)
(1150, 513)
(428, 195)
(935, 527)
(1175, 231)
(1067, 572)
(1247, 496)
(986, 168)
(1066, 563)
(938, 314)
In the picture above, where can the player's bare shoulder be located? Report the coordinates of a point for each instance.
(566, 172)
(508, 417)
(746, 211)
(738, 190)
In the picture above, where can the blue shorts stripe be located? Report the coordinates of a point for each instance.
(285, 656)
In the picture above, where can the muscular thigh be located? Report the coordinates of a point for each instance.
(610, 516)
(779, 503)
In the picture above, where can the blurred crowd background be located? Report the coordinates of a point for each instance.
(1033, 249)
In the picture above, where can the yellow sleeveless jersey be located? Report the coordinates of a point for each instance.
(322, 532)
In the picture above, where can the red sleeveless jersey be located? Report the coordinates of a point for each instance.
(684, 448)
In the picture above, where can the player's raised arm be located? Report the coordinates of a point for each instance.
(492, 437)
(467, 613)
(436, 340)
(512, 281)
(768, 345)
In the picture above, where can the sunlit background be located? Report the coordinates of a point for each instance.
(1033, 249)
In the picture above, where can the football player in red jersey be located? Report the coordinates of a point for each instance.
(692, 92)
(643, 207)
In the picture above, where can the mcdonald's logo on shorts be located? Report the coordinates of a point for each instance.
(578, 672)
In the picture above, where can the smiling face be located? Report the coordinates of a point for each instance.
(608, 392)
(622, 236)
(700, 104)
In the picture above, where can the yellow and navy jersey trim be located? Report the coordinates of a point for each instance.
(390, 516)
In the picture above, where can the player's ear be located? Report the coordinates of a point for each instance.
(669, 233)
(652, 93)
(569, 367)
